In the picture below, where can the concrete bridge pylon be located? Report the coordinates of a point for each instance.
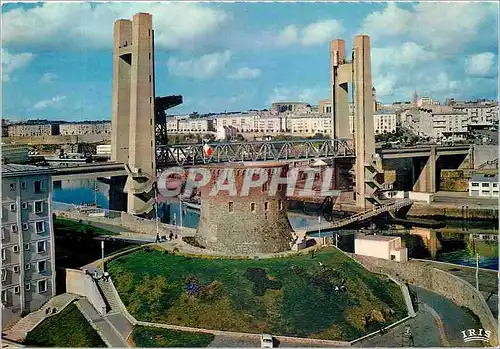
(357, 72)
(133, 123)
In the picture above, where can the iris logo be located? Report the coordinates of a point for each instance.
(473, 334)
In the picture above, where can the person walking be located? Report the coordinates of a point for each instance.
(157, 238)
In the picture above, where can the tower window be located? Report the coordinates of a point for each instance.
(230, 206)
(252, 206)
(266, 206)
(149, 55)
(280, 205)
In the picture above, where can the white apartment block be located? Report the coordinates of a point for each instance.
(310, 125)
(85, 128)
(28, 258)
(479, 114)
(29, 130)
(449, 126)
(189, 125)
(483, 185)
(384, 123)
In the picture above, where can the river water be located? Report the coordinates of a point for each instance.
(451, 244)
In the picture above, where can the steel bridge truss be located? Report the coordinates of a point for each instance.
(194, 154)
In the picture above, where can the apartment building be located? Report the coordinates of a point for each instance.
(310, 125)
(30, 130)
(479, 114)
(85, 128)
(384, 122)
(449, 126)
(483, 185)
(283, 107)
(28, 264)
(224, 132)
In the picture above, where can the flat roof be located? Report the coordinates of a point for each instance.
(478, 177)
(13, 170)
(376, 237)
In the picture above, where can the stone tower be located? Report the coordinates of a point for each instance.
(245, 223)
(357, 71)
(133, 131)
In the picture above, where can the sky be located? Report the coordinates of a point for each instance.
(57, 57)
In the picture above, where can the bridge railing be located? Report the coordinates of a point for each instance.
(194, 154)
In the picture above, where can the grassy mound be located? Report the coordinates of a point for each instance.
(151, 337)
(294, 296)
(68, 329)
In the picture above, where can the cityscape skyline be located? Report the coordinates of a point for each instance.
(244, 56)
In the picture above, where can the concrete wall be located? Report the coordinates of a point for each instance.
(438, 281)
(374, 248)
(483, 153)
(417, 196)
(59, 139)
(79, 283)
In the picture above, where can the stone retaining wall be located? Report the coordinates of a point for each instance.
(459, 291)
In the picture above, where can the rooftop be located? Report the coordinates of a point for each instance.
(484, 178)
(376, 237)
(11, 170)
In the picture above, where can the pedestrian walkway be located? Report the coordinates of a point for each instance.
(19, 331)
(104, 328)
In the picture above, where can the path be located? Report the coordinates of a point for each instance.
(19, 331)
(454, 318)
(104, 328)
(488, 280)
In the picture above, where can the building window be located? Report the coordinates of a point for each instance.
(41, 246)
(265, 187)
(485, 185)
(3, 233)
(4, 274)
(4, 254)
(42, 286)
(16, 248)
(38, 206)
(27, 287)
(475, 184)
(23, 185)
(17, 290)
(27, 266)
(24, 205)
(42, 266)
(26, 247)
(12, 207)
(4, 296)
(38, 187)
(230, 207)
(266, 206)
(280, 205)
(495, 185)
(40, 227)
(12, 186)
(16, 268)
(26, 226)
(252, 206)
(13, 228)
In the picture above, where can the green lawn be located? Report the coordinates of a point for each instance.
(68, 227)
(291, 296)
(68, 329)
(152, 337)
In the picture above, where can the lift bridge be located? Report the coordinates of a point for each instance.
(227, 152)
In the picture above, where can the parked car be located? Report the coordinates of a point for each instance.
(266, 341)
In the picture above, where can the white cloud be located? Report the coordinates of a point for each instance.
(442, 26)
(480, 64)
(63, 25)
(316, 33)
(14, 61)
(49, 103)
(48, 78)
(199, 68)
(296, 94)
(245, 73)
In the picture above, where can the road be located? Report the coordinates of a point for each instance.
(463, 199)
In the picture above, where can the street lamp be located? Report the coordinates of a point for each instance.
(102, 255)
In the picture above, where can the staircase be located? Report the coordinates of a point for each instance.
(19, 331)
(108, 295)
